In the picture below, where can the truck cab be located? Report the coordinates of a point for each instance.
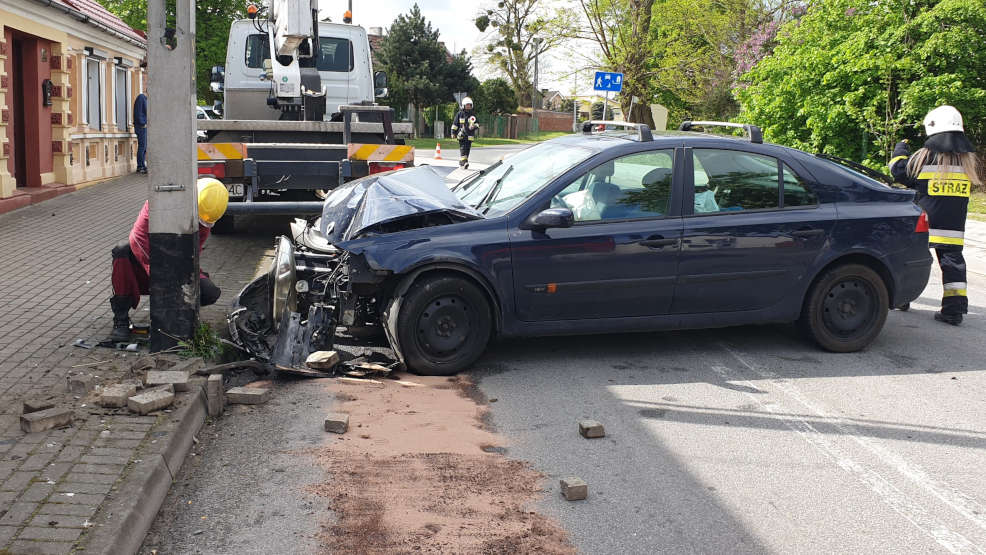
(342, 60)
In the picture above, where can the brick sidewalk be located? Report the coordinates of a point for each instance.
(54, 289)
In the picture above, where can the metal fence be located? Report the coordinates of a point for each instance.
(490, 125)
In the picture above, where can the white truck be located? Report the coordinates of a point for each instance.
(299, 118)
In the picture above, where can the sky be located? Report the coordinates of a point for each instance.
(454, 21)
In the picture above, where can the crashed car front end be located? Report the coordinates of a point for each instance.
(324, 280)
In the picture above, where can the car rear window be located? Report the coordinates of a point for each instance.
(335, 54)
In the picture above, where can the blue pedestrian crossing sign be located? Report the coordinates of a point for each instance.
(608, 81)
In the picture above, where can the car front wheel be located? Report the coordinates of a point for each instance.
(444, 325)
(846, 308)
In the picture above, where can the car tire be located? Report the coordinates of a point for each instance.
(846, 308)
(444, 325)
(225, 225)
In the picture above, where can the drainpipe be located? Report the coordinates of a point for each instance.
(86, 19)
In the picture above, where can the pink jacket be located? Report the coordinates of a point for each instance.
(140, 239)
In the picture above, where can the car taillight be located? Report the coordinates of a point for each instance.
(922, 225)
(217, 169)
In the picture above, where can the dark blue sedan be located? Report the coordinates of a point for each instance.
(596, 232)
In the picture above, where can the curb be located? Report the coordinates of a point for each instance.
(124, 520)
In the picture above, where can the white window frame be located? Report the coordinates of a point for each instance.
(102, 96)
(101, 124)
(113, 96)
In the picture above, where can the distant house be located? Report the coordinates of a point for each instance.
(552, 100)
(69, 71)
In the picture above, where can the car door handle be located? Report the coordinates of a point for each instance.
(658, 242)
(807, 232)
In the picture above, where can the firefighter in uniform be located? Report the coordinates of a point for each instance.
(464, 129)
(943, 172)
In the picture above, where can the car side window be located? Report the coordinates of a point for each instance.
(796, 191)
(630, 187)
(730, 180)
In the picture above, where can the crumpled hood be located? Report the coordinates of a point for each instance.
(359, 205)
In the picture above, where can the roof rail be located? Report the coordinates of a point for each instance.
(752, 131)
(643, 132)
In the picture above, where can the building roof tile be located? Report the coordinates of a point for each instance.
(100, 15)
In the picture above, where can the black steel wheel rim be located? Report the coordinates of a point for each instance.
(849, 307)
(443, 327)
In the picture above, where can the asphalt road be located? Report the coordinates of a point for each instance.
(720, 441)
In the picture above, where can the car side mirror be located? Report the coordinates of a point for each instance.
(552, 218)
(217, 79)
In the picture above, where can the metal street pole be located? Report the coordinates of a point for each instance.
(605, 105)
(173, 199)
(534, 111)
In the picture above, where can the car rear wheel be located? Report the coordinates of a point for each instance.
(444, 325)
(846, 308)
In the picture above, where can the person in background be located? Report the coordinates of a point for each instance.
(140, 127)
(464, 128)
(131, 260)
(943, 172)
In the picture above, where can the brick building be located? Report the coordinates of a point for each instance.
(69, 71)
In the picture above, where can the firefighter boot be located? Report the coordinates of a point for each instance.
(121, 318)
(953, 319)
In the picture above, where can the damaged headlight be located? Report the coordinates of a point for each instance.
(284, 276)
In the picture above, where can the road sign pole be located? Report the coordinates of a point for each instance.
(605, 105)
(173, 199)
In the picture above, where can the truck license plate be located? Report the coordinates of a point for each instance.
(235, 189)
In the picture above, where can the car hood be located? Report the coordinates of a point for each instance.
(360, 205)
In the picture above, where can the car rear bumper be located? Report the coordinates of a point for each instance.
(912, 277)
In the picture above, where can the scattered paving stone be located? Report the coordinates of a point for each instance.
(46, 419)
(35, 405)
(574, 488)
(322, 360)
(337, 422)
(80, 384)
(247, 395)
(187, 366)
(143, 364)
(117, 394)
(215, 396)
(177, 378)
(152, 400)
(591, 429)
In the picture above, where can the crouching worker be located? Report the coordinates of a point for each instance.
(943, 172)
(131, 260)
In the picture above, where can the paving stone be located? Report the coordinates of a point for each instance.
(574, 488)
(46, 419)
(55, 471)
(215, 396)
(34, 405)
(591, 429)
(26, 547)
(152, 400)
(62, 521)
(322, 360)
(114, 469)
(38, 461)
(70, 453)
(86, 478)
(18, 481)
(188, 366)
(6, 533)
(81, 384)
(78, 498)
(177, 379)
(50, 533)
(117, 443)
(18, 513)
(247, 395)
(95, 459)
(37, 492)
(337, 422)
(67, 509)
(77, 487)
(116, 395)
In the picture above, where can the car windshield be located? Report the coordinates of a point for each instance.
(503, 186)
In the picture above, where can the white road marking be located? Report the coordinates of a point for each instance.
(962, 503)
(896, 499)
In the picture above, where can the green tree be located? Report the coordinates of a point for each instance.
(459, 77)
(495, 96)
(597, 110)
(415, 62)
(567, 105)
(212, 21)
(852, 77)
(521, 30)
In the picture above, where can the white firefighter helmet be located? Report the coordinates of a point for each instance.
(465, 101)
(943, 119)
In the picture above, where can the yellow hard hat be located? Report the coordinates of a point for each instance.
(213, 198)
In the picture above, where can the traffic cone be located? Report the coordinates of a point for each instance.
(438, 151)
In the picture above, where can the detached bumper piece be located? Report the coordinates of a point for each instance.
(299, 338)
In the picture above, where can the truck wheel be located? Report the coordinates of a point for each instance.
(225, 226)
(444, 325)
(846, 308)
